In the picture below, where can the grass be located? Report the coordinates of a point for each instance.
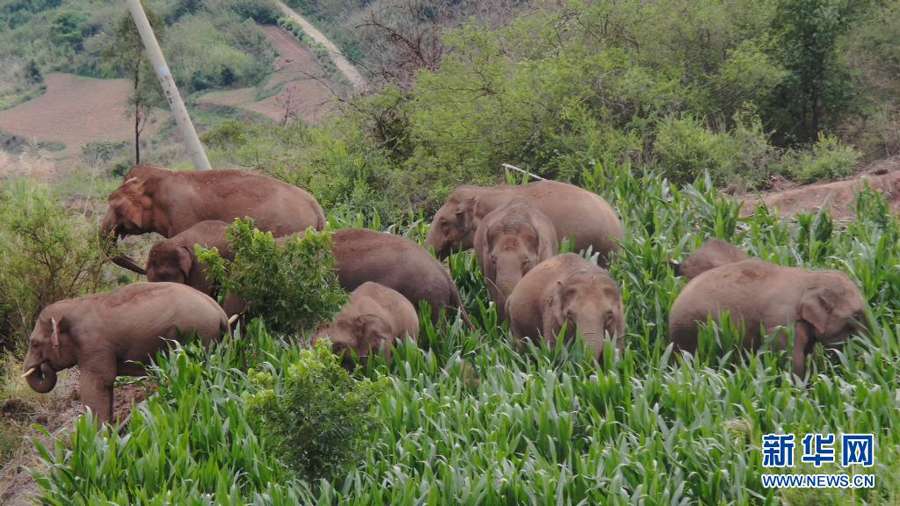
(469, 420)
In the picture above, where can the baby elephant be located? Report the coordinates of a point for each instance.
(567, 288)
(510, 241)
(822, 306)
(712, 254)
(103, 333)
(374, 317)
(173, 260)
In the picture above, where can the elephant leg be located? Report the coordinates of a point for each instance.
(802, 345)
(96, 391)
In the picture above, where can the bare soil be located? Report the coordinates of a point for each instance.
(76, 110)
(305, 91)
(838, 196)
(17, 486)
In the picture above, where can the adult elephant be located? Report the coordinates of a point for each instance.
(153, 199)
(821, 306)
(362, 255)
(106, 334)
(575, 212)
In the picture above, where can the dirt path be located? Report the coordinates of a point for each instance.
(305, 92)
(340, 61)
(882, 176)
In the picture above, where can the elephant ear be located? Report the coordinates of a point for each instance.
(373, 330)
(128, 204)
(58, 327)
(816, 306)
(465, 213)
(553, 316)
(185, 261)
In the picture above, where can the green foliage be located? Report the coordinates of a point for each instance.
(828, 159)
(293, 286)
(316, 415)
(47, 253)
(818, 87)
(469, 419)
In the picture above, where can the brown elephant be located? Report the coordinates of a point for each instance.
(104, 334)
(175, 261)
(362, 255)
(575, 212)
(509, 241)
(168, 202)
(568, 288)
(712, 254)
(822, 306)
(375, 317)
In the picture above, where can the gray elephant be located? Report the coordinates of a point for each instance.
(375, 317)
(103, 334)
(174, 260)
(712, 254)
(821, 306)
(575, 213)
(510, 241)
(168, 202)
(568, 288)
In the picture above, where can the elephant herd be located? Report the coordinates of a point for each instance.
(516, 232)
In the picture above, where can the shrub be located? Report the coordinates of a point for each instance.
(316, 416)
(47, 253)
(291, 286)
(828, 159)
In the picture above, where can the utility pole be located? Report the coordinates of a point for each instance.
(158, 61)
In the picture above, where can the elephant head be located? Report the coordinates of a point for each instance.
(833, 308)
(512, 250)
(50, 349)
(364, 334)
(169, 263)
(454, 224)
(129, 212)
(591, 305)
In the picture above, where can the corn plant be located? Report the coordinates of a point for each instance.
(476, 418)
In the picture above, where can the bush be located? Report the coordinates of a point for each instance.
(828, 159)
(47, 253)
(291, 287)
(317, 416)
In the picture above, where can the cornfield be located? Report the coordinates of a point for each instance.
(469, 419)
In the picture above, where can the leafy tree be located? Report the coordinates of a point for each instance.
(127, 51)
(817, 84)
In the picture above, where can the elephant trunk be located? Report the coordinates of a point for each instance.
(434, 240)
(507, 279)
(592, 330)
(42, 378)
(109, 235)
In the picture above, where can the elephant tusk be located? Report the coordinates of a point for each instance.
(233, 318)
(29, 372)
